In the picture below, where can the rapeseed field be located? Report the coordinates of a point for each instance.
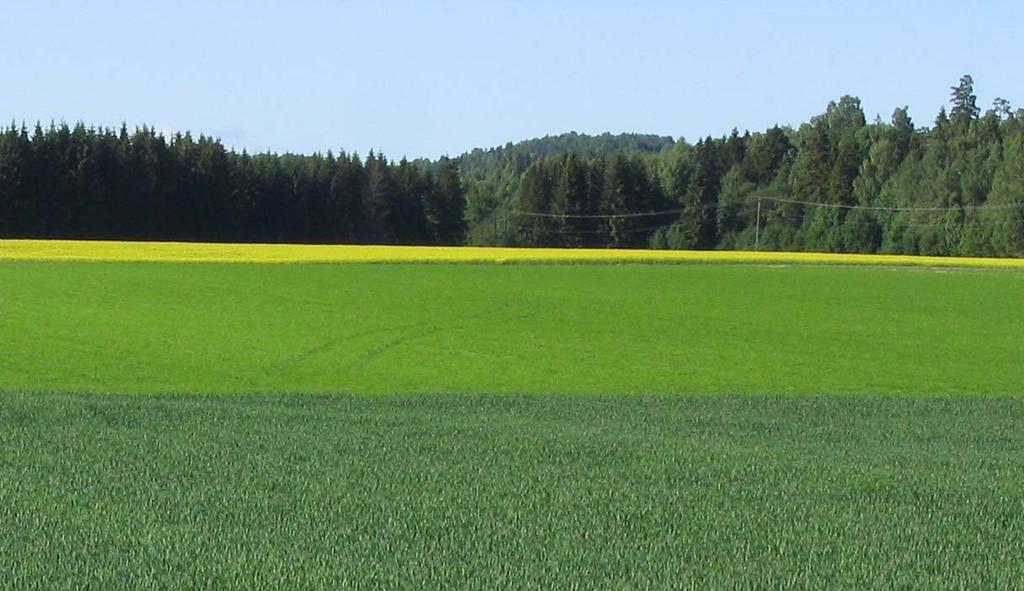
(79, 250)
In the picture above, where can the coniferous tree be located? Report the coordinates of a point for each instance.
(412, 192)
(1006, 217)
(377, 200)
(446, 204)
(765, 154)
(535, 199)
(628, 191)
(596, 232)
(570, 201)
(964, 101)
(1002, 108)
(699, 223)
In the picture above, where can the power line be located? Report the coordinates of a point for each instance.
(536, 214)
(606, 231)
(880, 208)
(743, 204)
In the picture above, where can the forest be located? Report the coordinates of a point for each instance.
(64, 182)
(836, 183)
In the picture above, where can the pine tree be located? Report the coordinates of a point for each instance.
(964, 102)
(1002, 108)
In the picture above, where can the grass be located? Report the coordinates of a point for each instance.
(509, 426)
(72, 250)
(592, 329)
(516, 492)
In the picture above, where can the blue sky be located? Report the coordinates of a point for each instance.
(428, 78)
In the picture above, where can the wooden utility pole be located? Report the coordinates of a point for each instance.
(757, 226)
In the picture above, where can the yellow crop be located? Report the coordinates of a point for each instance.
(80, 250)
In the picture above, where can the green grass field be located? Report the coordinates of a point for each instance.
(613, 329)
(509, 426)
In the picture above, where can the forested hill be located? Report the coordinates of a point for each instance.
(952, 186)
(580, 143)
(492, 175)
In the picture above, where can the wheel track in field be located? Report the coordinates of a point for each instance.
(407, 333)
(435, 329)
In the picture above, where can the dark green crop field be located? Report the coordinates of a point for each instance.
(556, 329)
(512, 492)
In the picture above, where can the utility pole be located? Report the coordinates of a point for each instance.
(757, 226)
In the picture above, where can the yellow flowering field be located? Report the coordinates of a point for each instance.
(83, 250)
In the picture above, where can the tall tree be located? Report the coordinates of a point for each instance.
(377, 200)
(445, 206)
(628, 191)
(964, 102)
(570, 201)
(699, 222)
(535, 200)
(1005, 214)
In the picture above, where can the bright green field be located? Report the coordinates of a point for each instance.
(595, 329)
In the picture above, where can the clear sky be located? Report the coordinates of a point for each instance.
(428, 78)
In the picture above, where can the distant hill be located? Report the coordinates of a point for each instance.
(492, 175)
(528, 151)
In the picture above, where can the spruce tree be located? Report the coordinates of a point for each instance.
(700, 217)
(569, 201)
(446, 204)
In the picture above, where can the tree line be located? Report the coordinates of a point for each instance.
(79, 182)
(836, 183)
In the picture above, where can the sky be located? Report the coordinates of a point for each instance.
(422, 79)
